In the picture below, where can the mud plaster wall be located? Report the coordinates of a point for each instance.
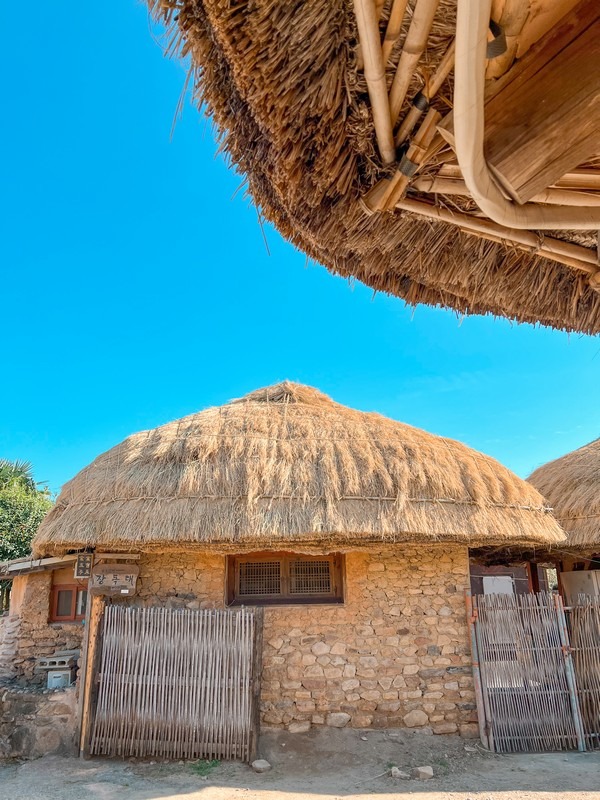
(395, 654)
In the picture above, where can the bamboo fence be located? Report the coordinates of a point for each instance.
(176, 683)
(528, 684)
(584, 625)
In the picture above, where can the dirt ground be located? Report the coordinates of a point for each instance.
(321, 765)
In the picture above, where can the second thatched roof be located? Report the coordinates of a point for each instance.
(286, 466)
(571, 485)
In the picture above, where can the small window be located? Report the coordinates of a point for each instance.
(68, 603)
(283, 578)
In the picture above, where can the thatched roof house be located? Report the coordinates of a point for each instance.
(347, 532)
(571, 485)
(286, 466)
(359, 127)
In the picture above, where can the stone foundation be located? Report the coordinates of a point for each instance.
(36, 723)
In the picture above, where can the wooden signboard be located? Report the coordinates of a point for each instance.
(83, 565)
(114, 579)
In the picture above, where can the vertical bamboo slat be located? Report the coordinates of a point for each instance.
(176, 683)
(584, 627)
(524, 674)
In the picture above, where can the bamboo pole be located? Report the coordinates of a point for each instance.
(411, 161)
(571, 255)
(554, 196)
(414, 45)
(423, 98)
(394, 28)
(368, 34)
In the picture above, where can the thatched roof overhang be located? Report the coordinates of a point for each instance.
(287, 88)
(571, 485)
(286, 467)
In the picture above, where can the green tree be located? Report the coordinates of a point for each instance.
(23, 505)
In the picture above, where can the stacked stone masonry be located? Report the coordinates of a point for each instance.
(34, 722)
(36, 637)
(395, 654)
(9, 642)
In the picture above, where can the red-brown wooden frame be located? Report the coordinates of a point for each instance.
(286, 598)
(74, 588)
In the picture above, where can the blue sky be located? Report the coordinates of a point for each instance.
(136, 286)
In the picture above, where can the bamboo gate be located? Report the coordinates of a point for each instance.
(536, 666)
(176, 683)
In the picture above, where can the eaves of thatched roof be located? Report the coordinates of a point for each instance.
(285, 86)
(571, 485)
(284, 467)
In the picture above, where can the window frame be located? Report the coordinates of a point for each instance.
(286, 598)
(74, 588)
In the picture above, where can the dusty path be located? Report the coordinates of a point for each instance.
(322, 765)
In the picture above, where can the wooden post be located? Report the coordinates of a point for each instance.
(481, 710)
(570, 672)
(257, 660)
(87, 688)
(534, 578)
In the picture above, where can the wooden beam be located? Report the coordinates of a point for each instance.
(571, 255)
(38, 564)
(546, 120)
(456, 186)
(586, 180)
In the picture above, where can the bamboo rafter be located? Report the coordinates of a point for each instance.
(571, 255)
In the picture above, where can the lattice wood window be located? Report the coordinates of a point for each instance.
(283, 578)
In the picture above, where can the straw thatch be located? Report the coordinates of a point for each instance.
(287, 466)
(282, 85)
(571, 485)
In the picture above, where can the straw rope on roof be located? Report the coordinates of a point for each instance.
(287, 466)
(571, 485)
(296, 102)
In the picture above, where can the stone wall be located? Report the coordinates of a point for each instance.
(395, 654)
(34, 722)
(9, 637)
(181, 580)
(36, 636)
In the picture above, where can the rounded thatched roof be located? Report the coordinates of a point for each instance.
(286, 89)
(287, 466)
(571, 485)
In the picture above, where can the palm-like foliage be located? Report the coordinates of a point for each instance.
(20, 472)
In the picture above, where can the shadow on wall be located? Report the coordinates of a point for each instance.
(37, 722)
